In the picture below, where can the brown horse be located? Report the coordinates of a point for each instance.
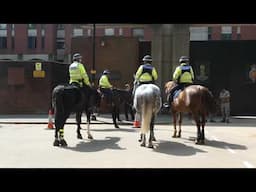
(194, 99)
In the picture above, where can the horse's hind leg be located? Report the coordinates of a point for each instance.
(174, 115)
(88, 114)
(143, 144)
(114, 116)
(152, 135)
(78, 122)
(202, 129)
(180, 121)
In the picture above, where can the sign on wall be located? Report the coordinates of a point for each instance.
(38, 72)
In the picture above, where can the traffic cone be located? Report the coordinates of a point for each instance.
(136, 124)
(50, 122)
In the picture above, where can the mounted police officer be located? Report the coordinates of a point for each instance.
(105, 85)
(77, 72)
(78, 75)
(183, 76)
(146, 73)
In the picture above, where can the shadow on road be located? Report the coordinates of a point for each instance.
(97, 145)
(222, 144)
(175, 148)
(219, 144)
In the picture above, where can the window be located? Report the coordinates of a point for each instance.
(13, 43)
(238, 33)
(226, 32)
(60, 43)
(138, 33)
(3, 26)
(120, 32)
(31, 42)
(3, 42)
(109, 32)
(209, 33)
(60, 26)
(42, 42)
(77, 32)
(89, 32)
(198, 33)
(31, 26)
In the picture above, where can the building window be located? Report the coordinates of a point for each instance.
(120, 32)
(198, 33)
(77, 32)
(3, 42)
(43, 42)
(60, 26)
(109, 32)
(238, 33)
(89, 32)
(13, 43)
(32, 42)
(3, 26)
(138, 33)
(226, 32)
(60, 43)
(32, 26)
(209, 33)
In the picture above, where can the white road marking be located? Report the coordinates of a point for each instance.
(248, 165)
(230, 150)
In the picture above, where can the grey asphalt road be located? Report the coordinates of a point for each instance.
(30, 145)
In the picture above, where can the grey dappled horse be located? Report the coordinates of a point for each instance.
(147, 102)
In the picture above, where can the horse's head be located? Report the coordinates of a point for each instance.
(169, 86)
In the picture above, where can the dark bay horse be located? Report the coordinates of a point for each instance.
(195, 99)
(147, 102)
(67, 99)
(119, 97)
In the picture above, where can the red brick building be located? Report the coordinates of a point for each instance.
(52, 42)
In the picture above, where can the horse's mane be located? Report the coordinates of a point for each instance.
(169, 85)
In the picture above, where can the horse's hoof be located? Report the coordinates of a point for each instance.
(56, 142)
(178, 135)
(63, 143)
(202, 141)
(116, 126)
(142, 145)
(140, 140)
(174, 136)
(150, 146)
(90, 137)
(79, 137)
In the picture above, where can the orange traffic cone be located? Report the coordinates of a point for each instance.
(50, 122)
(136, 124)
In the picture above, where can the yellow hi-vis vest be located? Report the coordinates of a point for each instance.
(184, 74)
(78, 74)
(104, 82)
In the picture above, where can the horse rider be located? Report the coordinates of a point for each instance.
(183, 76)
(77, 73)
(105, 86)
(146, 73)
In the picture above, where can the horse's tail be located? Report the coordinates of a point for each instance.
(209, 101)
(57, 99)
(146, 115)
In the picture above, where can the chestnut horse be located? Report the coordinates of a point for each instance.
(194, 99)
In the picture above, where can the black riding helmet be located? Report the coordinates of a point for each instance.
(76, 56)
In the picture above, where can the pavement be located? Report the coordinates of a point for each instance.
(107, 119)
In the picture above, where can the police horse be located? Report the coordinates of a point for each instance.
(67, 99)
(147, 102)
(195, 99)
